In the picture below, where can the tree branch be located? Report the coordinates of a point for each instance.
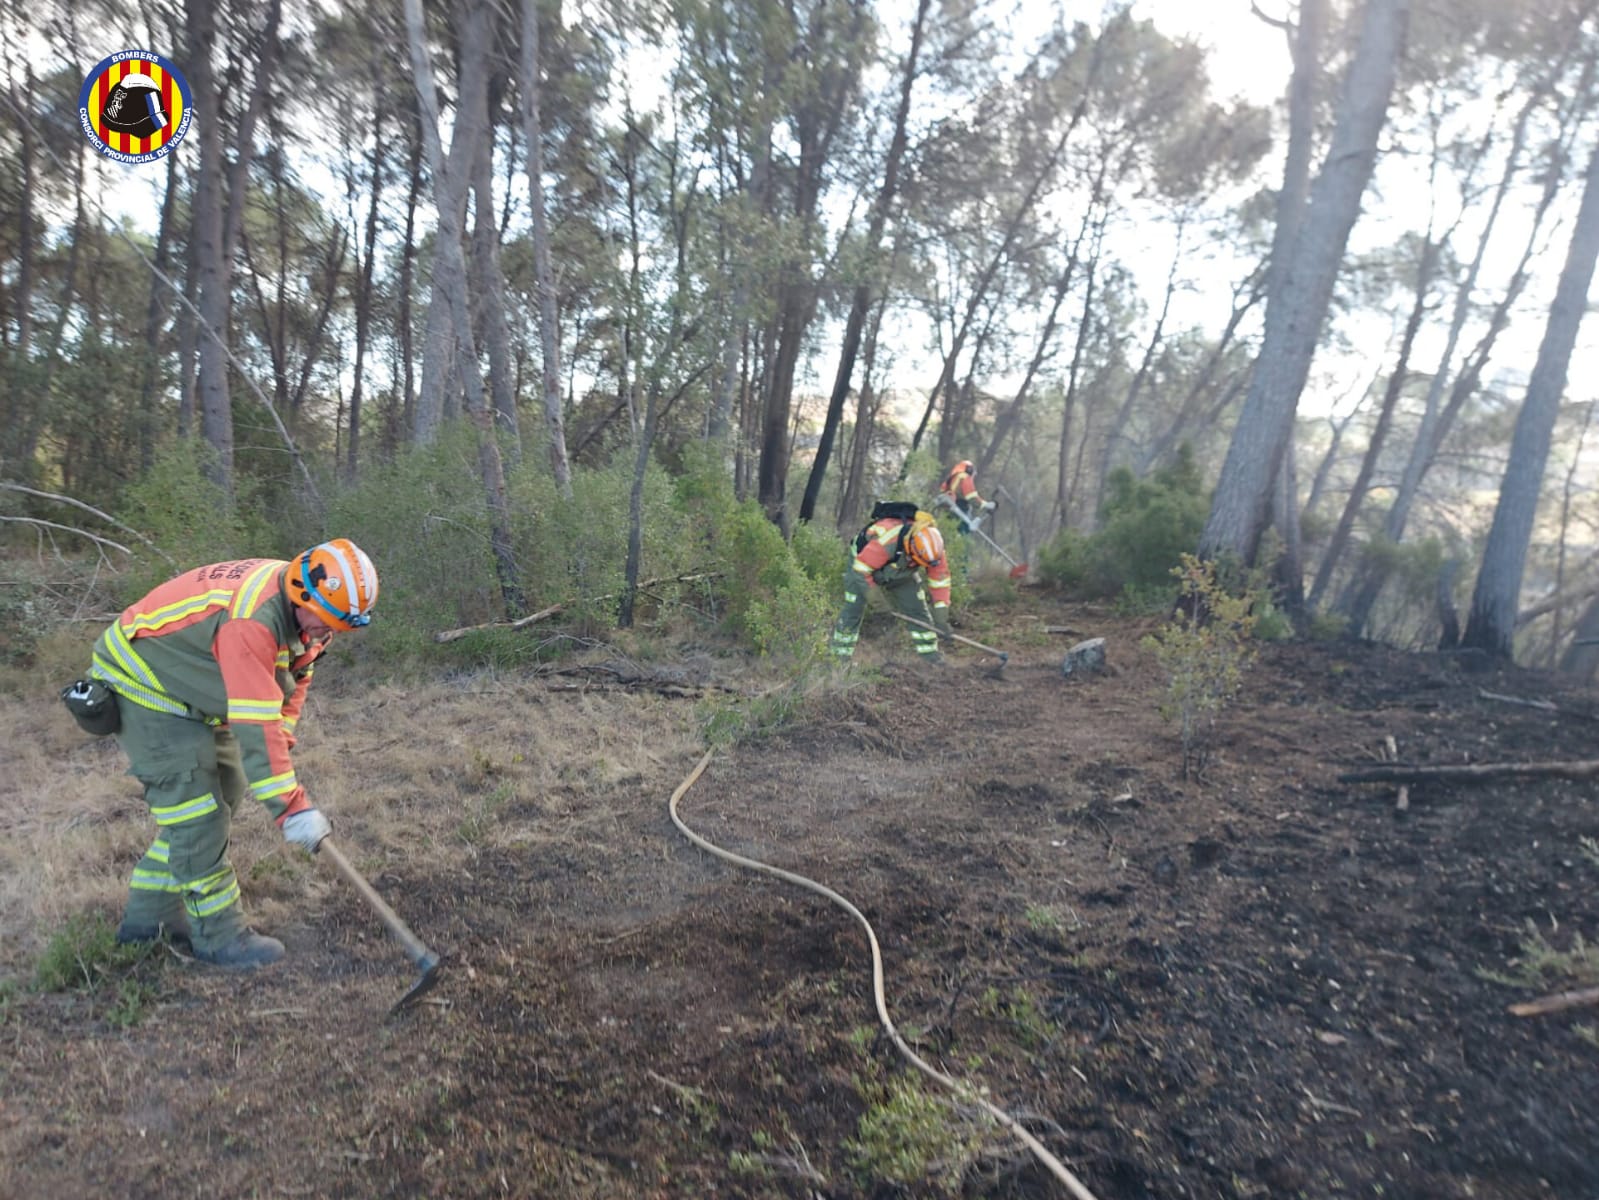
(88, 508)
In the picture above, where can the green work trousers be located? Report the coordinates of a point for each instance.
(906, 593)
(193, 781)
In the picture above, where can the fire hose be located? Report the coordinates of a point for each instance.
(962, 1090)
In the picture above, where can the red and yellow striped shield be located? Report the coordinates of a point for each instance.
(135, 106)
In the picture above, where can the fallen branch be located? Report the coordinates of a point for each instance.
(544, 614)
(1541, 705)
(88, 508)
(1556, 1003)
(83, 533)
(1471, 772)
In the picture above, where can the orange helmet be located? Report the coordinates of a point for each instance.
(336, 581)
(925, 546)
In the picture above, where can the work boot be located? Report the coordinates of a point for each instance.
(135, 933)
(249, 949)
(934, 659)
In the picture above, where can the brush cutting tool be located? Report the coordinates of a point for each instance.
(1003, 656)
(1018, 570)
(415, 949)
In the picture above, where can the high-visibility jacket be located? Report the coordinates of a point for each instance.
(220, 644)
(960, 487)
(881, 551)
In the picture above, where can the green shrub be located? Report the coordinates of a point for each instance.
(191, 519)
(1145, 527)
(83, 957)
(1205, 650)
(914, 1140)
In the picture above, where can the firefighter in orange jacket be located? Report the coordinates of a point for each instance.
(893, 553)
(210, 672)
(960, 489)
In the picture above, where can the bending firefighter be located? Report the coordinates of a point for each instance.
(893, 552)
(959, 490)
(210, 672)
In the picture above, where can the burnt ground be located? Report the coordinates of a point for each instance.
(1258, 983)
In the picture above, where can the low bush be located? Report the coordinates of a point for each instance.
(1145, 526)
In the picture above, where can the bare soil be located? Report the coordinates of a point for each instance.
(1256, 983)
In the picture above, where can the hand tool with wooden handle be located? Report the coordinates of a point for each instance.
(415, 949)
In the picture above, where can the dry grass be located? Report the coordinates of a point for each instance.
(441, 770)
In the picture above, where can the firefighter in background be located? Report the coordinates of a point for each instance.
(894, 552)
(960, 488)
(210, 672)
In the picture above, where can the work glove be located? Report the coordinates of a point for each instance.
(306, 828)
(988, 506)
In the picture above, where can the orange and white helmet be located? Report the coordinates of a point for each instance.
(337, 582)
(925, 546)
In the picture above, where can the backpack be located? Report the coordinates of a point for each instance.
(905, 511)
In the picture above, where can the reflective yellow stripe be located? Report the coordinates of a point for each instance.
(859, 566)
(177, 610)
(260, 711)
(153, 881)
(131, 689)
(211, 905)
(265, 789)
(189, 810)
(122, 650)
(248, 597)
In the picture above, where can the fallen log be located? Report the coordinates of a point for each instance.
(1471, 772)
(1541, 705)
(1557, 1002)
(544, 614)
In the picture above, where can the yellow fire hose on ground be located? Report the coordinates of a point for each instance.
(963, 1091)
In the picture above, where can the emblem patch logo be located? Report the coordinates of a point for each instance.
(135, 107)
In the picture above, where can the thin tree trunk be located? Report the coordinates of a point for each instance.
(1063, 486)
(860, 305)
(208, 255)
(1012, 228)
(1425, 269)
(154, 312)
(408, 410)
(363, 295)
(489, 289)
(543, 272)
(1492, 624)
(1360, 596)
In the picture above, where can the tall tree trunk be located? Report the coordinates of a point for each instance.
(489, 289)
(208, 256)
(543, 272)
(404, 318)
(1242, 502)
(449, 275)
(443, 340)
(154, 312)
(1492, 624)
(860, 305)
(1085, 325)
(22, 107)
(363, 294)
(1425, 269)
(1117, 432)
